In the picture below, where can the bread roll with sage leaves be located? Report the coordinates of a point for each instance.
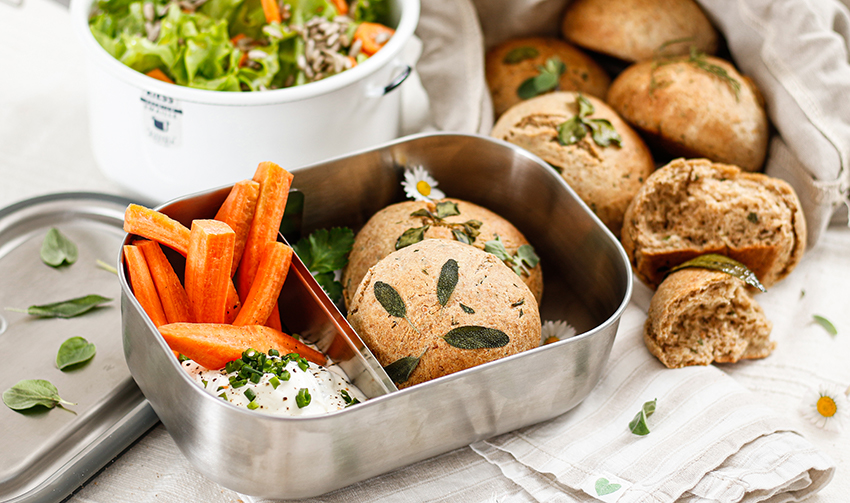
(511, 64)
(693, 207)
(404, 223)
(699, 316)
(694, 106)
(438, 306)
(595, 151)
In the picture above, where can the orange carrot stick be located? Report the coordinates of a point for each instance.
(273, 321)
(271, 273)
(341, 7)
(213, 345)
(143, 285)
(373, 36)
(237, 212)
(274, 191)
(172, 295)
(156, 226)
(158, 74)
(208, 263)
(271, 10)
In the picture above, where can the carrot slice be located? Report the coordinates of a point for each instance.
(158, 74)
(271, 10)
(271, 273)
(154, 225)
(273, 320)
(341, 7)
(237, 212)
(172, 295)
(274, 191)
(212, 345)
(373, 36)
(208, 263)
(143, 285)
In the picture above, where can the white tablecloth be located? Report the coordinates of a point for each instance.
(44, 148)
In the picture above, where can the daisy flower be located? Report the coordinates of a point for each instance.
(554, 331)
(419, 185)
(827, 407)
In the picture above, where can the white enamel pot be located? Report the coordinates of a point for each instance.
(160, 140)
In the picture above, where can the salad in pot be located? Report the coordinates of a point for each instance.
(241, 45)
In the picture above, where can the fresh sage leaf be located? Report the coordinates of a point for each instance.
(571, 131)
(638, 424)
(447, 209)
(826, 324)
(497, 248)
(411, 236)
(331, 286)
(66, 308)
(57, 249)
(527, 255)
(461, 236)
(603, 132)
(722, 263)
(520, 54)
(585, 107)
(325, 250)
(467, 309)
(73, 351)
(400, 370)
(475, 337)
(32, 392)
(390, 300)
(447, 282)
(422, 213)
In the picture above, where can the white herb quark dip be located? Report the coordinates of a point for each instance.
(324, 385)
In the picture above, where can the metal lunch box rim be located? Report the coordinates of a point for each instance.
(612, 319)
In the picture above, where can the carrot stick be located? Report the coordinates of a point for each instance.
(172, 295)
(274, 191)
(273, 321)
(341, 6)
(158, 74)
(213, 345)
(233, 303)
(237, 212)
(208, 264)
(157, 227)
(373, 36)
(272, 11)
(143, 285)
(271, 273)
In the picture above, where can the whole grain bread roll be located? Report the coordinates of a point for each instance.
(378, 237)
(486, 294)
(699, 316)
(686, 108)
(511, 63)
(692, 207)
(633, 30)
(605, 178)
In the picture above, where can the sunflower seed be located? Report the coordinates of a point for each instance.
(381, 38)
(354, 51)
(149, 11)
(257, 55)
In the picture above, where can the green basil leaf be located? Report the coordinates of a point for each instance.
(73, 351)
(447, 209)
(467, 309)
(447, 282)
(474, 337)
(603, 132)
(497, 248)
(390, 300)
(526, 254)
(826, 324)
(722, 263)
(400, 370)
(66, 308)
(325, 250)
(32, 392)
(57, 249)
(585, 107)
(331, 287)
(520, 54)
(461, 237)
(303, 398)
(638, 424)
(411, 236)
(571, 131)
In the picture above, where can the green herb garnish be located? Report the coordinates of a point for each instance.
(826, 324)
(323, 252)
(64, 309)
(573, 130)
(411, 236)
(392, 302)
(348, 400)
(474, 337)
(467, 309)
(303, 398)
(520, 54)
(448, 281)
(74, 351)
(253, 405)
(249, 394)
(400, 370)
(638, 424)
(30, 393)
(523, 260)
(57, 249)
(546, 80)
(464, 232)
(274, 381)
(722, 263)
(698, 59)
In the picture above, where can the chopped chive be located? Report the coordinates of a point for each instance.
(253, 406)
(303, 398)
(223, 395)
(255, 378)
(284, 375)
(274, 352)
(275, 382)
(249, 394)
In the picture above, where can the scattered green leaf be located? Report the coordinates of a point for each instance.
(638, 424)
(546, 80)
(475, 337)
(74, 351)
(447, 281)
(826, 324)
(349, 401)
(446, 209)
(325, 250)
(400, 370)
(722, 263)
(64, 309)
(520, 262)
(571, 131)
(467, 309)
(461, 236)
(698, 59)
(601, 131)
(57, 249)
(520, 54)
(411, 236)
(33, 392)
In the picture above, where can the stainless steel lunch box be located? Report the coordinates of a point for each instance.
(587, 282)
